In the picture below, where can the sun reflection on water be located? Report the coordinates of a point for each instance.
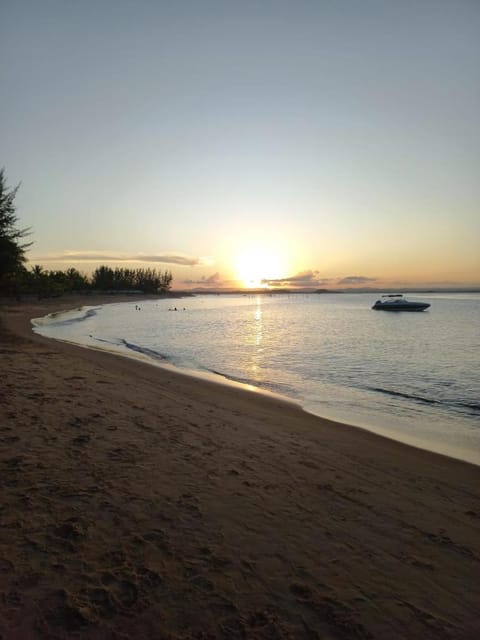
(255, 339)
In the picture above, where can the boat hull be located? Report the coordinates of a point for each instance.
(419, 306)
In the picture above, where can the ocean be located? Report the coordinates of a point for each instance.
(413, 377)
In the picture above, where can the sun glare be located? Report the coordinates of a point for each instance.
(255, 267)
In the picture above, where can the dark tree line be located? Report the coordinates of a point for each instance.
(147, 280)
(16, 279)
(47, 283)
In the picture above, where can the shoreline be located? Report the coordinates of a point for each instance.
(392, 432)
(141, 502)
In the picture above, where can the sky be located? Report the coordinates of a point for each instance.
(319, 143)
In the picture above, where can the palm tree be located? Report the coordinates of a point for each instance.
(37, 271)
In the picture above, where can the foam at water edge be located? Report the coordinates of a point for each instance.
(63, 318)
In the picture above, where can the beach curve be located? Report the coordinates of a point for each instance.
(141, 501)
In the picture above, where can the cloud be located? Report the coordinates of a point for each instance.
(308, 278)
(215, 280)
(92, 256)
(356, 280)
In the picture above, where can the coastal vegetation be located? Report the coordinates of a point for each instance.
(120, 279)
(17, 279)
(49, 283)
(12, 250)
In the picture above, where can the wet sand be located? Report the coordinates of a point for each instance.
(142, 503)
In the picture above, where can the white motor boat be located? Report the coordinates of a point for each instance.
(396, 302)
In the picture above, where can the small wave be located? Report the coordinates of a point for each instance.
(232, 378)
(278, 388)
(102, 339)
(54, 319)
(156, 355)
(408, 396)
(473, 407)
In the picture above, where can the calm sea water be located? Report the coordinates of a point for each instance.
(414, 377)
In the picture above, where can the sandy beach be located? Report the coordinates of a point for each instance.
(142, 503)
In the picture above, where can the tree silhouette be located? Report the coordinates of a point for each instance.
(147, 280)
(75, 280)
(37, 271)
(12, 252)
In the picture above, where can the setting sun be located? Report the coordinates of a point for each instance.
(255, 266)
